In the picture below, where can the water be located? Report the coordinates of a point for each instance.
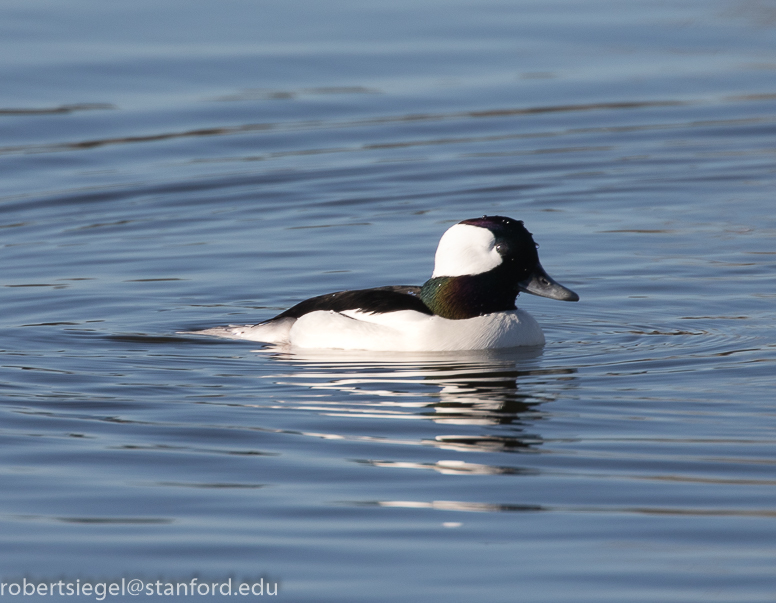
(180, 165)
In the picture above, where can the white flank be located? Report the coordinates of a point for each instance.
(465, 249)
(403, 331)
(410, 331)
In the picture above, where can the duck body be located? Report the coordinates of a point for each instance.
(481, 265)
(397, 331)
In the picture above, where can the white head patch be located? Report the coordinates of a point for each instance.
(465, 249)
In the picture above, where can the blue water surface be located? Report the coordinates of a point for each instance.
(172, 166)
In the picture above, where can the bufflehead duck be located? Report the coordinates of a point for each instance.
(480, 267)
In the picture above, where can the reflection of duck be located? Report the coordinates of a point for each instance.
(481, 265)
(500, 390)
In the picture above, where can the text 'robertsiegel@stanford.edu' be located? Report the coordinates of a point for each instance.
(100, 590)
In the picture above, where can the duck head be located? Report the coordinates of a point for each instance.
(482, 265)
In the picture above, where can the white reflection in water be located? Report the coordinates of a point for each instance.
(475, 388)
(454, 467)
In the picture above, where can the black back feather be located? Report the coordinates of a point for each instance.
(377, 300)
